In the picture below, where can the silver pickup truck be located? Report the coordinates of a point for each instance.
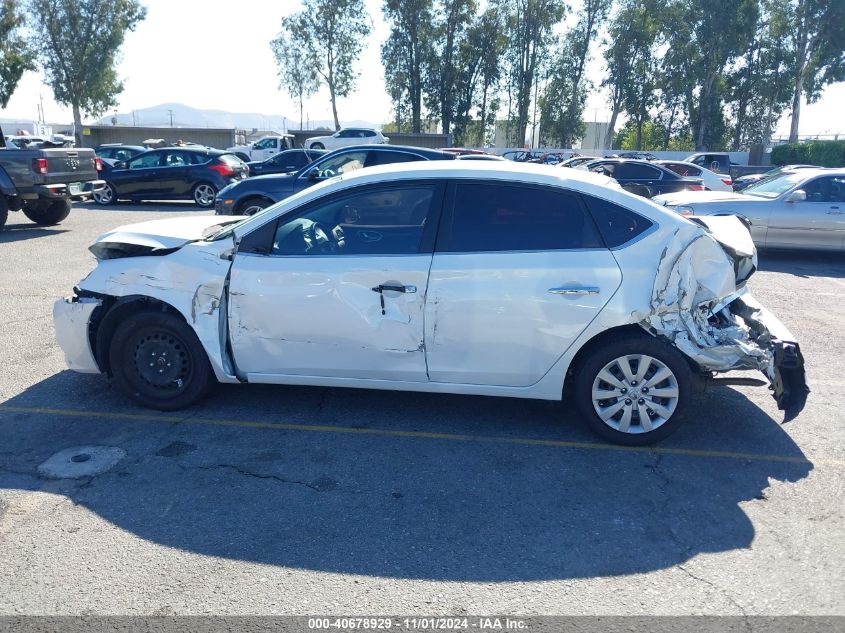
(43, 182)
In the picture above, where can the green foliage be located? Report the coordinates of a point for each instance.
(78, 43)
(330, 35)
(405, 56)
(296, 75)
(822, 153)
(15, 54)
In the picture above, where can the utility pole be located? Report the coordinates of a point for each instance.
(171, 117)
(133, 119)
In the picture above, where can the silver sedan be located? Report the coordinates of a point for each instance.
(801, 210)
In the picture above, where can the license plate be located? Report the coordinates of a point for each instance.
(75, 188)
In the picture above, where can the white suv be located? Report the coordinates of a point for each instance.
(346, 137)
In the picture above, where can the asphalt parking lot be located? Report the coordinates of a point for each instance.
(291, 500)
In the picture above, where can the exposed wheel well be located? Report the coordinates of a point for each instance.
(113, 311)
(598, 340)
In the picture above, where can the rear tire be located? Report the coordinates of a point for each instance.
(105, 196)
(157, 361)
(317, 146)
(633, 389)
(48, 214)
(204, 194)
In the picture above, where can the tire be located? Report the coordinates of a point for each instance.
(317, 146)
(49, 213)
(243, 157)
(628, 399)
(4, 211)
(204, 194)
(107, 195)
(140, 356)
(251, 206)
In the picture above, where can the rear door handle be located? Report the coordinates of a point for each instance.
(575, 290)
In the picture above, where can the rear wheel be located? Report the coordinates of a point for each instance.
(156, 360)
(632, 390)
(48, 213)
(204, 194)
(106, 195)
(318, 146)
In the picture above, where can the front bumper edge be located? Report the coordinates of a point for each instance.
(71, 318)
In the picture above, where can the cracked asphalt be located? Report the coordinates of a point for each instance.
(291, 500)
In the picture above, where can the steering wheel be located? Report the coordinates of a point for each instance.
(327, 173)
(321, 239)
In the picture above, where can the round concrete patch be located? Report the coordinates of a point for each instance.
(81, 461)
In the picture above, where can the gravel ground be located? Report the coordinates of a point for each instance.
(291, 500)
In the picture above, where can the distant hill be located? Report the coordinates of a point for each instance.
(186, 116)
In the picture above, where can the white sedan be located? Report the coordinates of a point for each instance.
(711, 180)
(347, 137)
(492, 279)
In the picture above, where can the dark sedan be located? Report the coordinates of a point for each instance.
(285, 162)
(254, 194)
(171, 173)
(643, 178)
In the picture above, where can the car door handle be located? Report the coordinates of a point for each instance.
(575, 290)
(395, 287)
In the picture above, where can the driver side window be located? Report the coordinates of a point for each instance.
(375, 221)
(145, 160)
(342, 164)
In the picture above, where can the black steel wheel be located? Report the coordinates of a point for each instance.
(156, 360)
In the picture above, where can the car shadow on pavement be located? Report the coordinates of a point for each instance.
(803, 264)
(389, 484)
(29, 231)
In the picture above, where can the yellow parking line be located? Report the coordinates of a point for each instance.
(454, 437)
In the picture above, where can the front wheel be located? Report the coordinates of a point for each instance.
(632, 390)
(157, 360)
(204, 194)
(47, 214)
(318, 146)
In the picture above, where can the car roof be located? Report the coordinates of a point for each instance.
(422, 151)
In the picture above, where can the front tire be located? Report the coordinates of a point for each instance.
(204, 194)
(633, 389)
(48, 214)
(253, 206)
(317, 146)
(157, 360)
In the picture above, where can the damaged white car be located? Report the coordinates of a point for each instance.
(472, 278)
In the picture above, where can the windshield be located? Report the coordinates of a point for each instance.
(774, 187)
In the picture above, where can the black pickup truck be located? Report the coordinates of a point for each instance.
(42, 182)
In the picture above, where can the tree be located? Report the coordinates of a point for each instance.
(296, 75)
(704, 37)
(817, 37)
(760, 85)
(330, 35)
(405, 54)
(451, 19)
(78, 43)
(528, 28)
(629, 58)
(15, 55)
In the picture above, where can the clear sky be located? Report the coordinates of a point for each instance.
(215, 54)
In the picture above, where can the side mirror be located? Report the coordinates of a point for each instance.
(121, 164)
(799, 195)
(313, 174)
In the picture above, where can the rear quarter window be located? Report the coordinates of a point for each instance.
(618, 226)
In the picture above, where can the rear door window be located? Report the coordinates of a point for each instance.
(617, 224)
(503, 217)
(637, 171)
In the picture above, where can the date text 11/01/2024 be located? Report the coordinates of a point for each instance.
(418, 623)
